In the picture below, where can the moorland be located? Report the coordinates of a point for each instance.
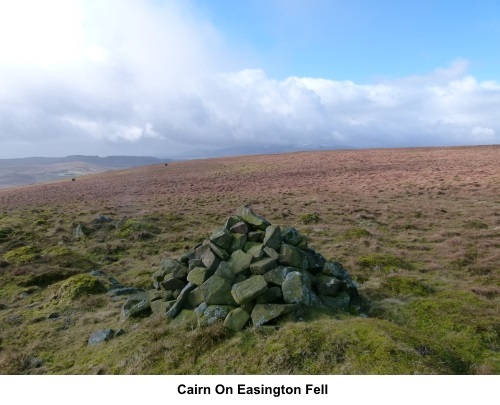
(418, 229)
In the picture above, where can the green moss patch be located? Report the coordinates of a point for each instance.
(400, 285)
(79, 285)
(132, 227)
(383, 262)
(356, 233)
(461, 329)
(309, 218)
(65, 257)
(22, 255)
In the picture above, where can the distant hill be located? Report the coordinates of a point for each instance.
(24, 171)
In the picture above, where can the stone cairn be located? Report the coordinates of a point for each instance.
(246, 270)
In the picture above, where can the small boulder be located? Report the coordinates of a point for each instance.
(214, 313)
(236, 319)
(293, 257)
(263, 313)
(249, 289)
(263, 266)
(136, 305)
(100, 336)
(240, 261)
(222, 238)
(272, 237)
(198, 275)
(296, 290)
(326, 285)
(210, 260)
(252, 218)
(161, 307)
(291, 236)
(217, 291)
(240, 228)
(277, 276)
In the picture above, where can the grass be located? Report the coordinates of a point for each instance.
(424, 250)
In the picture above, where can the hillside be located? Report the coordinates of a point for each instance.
(24, 171)
(418, 229)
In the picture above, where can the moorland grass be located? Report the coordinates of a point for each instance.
(412, 226)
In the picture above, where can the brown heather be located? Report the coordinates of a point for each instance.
(419, 229)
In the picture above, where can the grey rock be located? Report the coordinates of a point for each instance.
(326, 285)
(250, 245)
(263, 313)
(293, 257)
(81, 231)
(315, 260)
(263, 266)
(222, 238)
(255, 236)
(239, 261)
(277, 276)
(136, 305)
(195, 297)
(193, 263)
(339, 303)
(214, 313)
(186, 318)
(171, 283)
(238, 243)
(210, 260)
(217, 291)
(249, 289)
(155, 295)
(257, 251)
(272, 237)
(252, 218)
(291, 236)
(173, 267)
(225, 271)
(161, 307)
(219, 252)
(272, 294)
(270, 252)
(124, 291)
(198, 275)
(240, 228)
(236, 319)
(231, 221)
(100, 336)
(181, 301)
(296, 290)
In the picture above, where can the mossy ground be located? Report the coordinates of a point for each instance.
(413, 228)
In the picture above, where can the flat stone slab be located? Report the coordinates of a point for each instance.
(240, 261)
(252, 218)
(293, 257)
(263, 313)
(263, 266)
(217, 291)
(249, 289)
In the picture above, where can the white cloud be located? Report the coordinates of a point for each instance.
(123, 76)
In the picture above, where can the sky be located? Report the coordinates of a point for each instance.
(189, 78)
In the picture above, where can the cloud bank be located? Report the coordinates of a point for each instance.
(128, 77)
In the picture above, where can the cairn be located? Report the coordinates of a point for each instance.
(247, 270)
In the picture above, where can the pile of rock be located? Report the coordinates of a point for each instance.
(246, 270)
